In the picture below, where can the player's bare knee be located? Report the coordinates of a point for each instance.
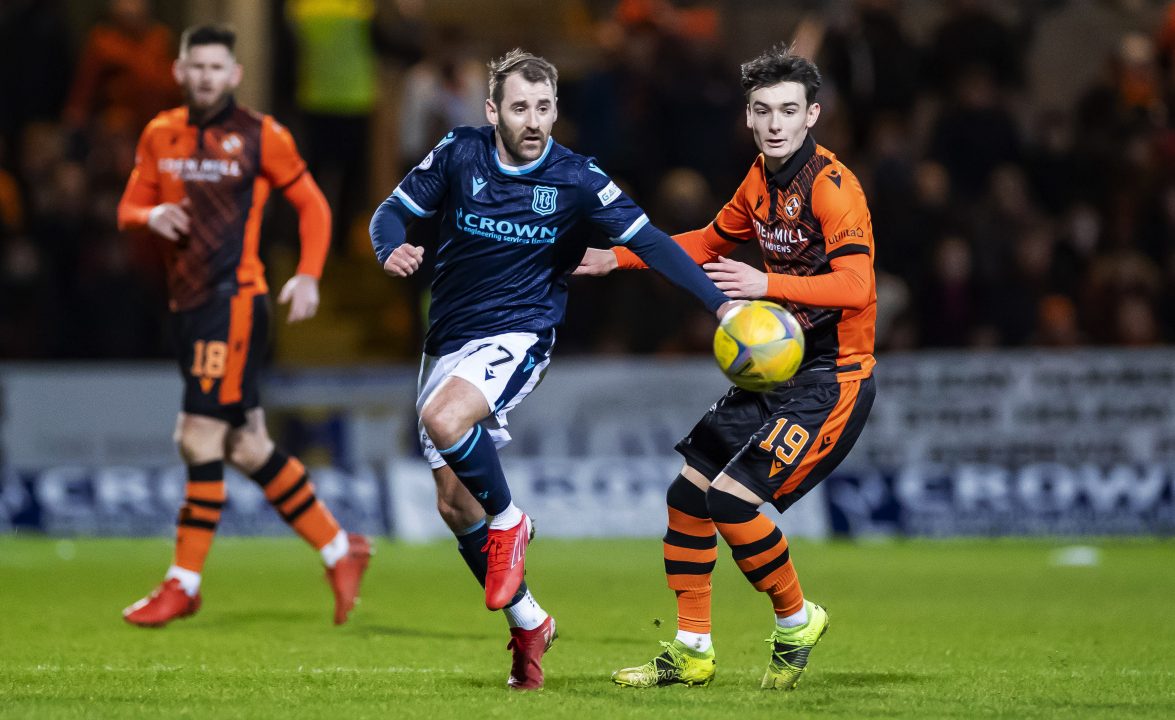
(199, 444)
(432, 416)
(444, 422)
(189, 449)
(249, 450)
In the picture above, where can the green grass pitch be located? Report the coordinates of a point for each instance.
(952, 629)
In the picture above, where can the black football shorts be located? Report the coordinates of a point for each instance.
(780, 444)
(220, 347)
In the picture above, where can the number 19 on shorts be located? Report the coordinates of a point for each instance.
(790, 444)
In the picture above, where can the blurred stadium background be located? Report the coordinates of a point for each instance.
(1019, 160)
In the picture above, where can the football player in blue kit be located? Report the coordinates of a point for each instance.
(510, 200)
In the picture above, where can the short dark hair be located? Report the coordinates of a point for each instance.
(532, 68)
(778, 65)
(216, 34)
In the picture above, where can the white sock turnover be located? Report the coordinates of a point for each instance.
(796, 619)
(525, 613)
(336, 549)
(694, 641)
(189, 579)
(506, 519)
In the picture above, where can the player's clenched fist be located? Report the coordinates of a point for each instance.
(404, 260)
(171, 220)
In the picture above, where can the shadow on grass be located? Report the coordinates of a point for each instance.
(640, 644)
(869, 679)
(236, 618)
(595, 683)
(561, 684)
(411, 632)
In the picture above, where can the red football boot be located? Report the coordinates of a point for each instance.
(165, 603)
(345, 576)
(506, 562)
(528, 646)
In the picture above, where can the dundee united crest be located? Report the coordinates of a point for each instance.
(232, 144)
(544, 200)
(792, 206)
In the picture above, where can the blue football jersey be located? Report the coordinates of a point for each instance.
(508, 235)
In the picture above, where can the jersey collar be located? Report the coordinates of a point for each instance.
(219, 117)
(523, 169)
(783, 177)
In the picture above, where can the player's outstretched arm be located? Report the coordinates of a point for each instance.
(728, 306)
(666, 257)
(703, 246)
(847, 286)
(597, 263)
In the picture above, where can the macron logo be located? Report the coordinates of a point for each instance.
(478, 184)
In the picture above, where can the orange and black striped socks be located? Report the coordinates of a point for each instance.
(286, 485)
(760, 551)
(691, 549)
(199, 516)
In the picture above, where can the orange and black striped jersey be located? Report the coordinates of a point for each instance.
(222, 171)
(816, 236)
(809, 213)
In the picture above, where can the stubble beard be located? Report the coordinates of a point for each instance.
(513, 145)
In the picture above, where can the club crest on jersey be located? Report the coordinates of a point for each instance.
(544, 200)
(232, 143)
(791, 206)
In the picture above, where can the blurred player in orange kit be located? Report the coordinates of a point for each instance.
(202, 175)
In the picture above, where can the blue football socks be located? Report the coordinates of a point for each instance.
(475, 460)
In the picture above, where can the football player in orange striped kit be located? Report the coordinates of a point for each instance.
(808, 214)
(202, 175)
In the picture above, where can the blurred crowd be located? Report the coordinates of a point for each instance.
(1000, 219)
